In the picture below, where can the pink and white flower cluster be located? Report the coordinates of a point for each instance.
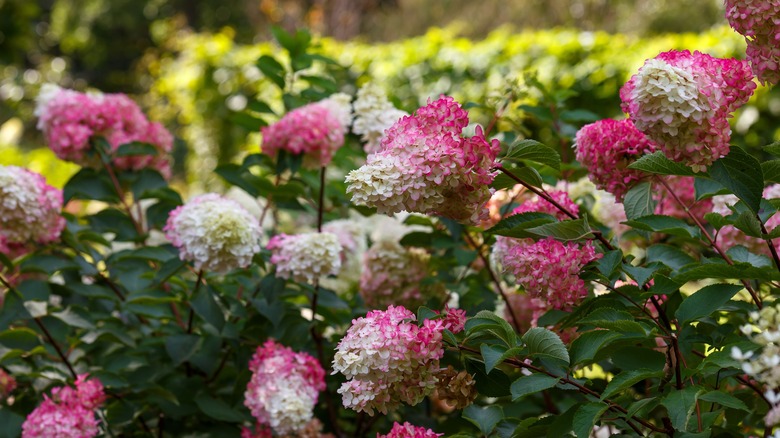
(730, 236)
(284, 387)
(682, 102)
(69, 120)
(407, 430)
(305, 257)
(759, 22)
(374, 114)
(606, 148)
(393, 274)
(213, 232)
(685, 190)
(547, 269)
(388, 359)
(425, 165)
(68, 413)
(315, 130)
(29, 210)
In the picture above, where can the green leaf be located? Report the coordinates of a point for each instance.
(586, 417)
(664, 224)
(716, 220)
(485, 418)
(135, 148)
(72, 318)
(669, 255)
(585, 347)
(10, 423)
(564, 230)
(543, 342)
(773, 148)
(627, 379)
(247, 121)
(680, 405)
(658, 164)
(20, 338)
(741, 173)
(181, 347)
(493, 355)
(745, 271)
(218, 409)
(741, 254)
(609, 262)
(706, 187)
(90, 185)
(259, 106)
(272, 70)
(526, 174)
(725, 399)
(748, 224)
(531, 384)
(532, 150)
(771, 171)
(705, 301)
(639, 201)
(515, 225)
(205, 306)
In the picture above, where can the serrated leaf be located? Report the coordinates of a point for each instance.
(741, 254)
(724, 399)
(706, 187)
(669, 255)
(493, 355)
(705, 301)
(564, 230)
(543, 342)
(485, 418)
(586, 417)
(771, 171)
(745, 271)
(716, 220)
(741, 173)
(218, 409)
(609, 262)
(641, 405)
(585, 347)
(626, 379)
(535, 151)
(515, 225)
(664, 224)
(680, 405)
(638, 201)
(658, 164)
(531, 384)
(748, 224)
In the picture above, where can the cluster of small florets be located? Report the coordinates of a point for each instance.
(758, 21)
(407, 430)
(284, 387)
(388, 360)
(374, 114)
(730, 236)
(606, 148)
(68, 412)
(351, 235)
(682, 102)
(70, 119)
(537, 204)
(215, 233)
(29, 210)
(315, 130)
(305, 257)
(685, 190)
(394, 274)
(426, 166)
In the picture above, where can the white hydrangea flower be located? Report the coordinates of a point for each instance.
(340, 105)
(215, 233)
(374, 113)
(29, 208)
(305, 257)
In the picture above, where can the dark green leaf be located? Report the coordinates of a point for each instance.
(586, 417)
(639, 201)
(745, 271)
(748, 224)
(10, 423)
(532, 150)
(664, 224)
(705, 301)
(135, 148)
(485, 418)
(531, 384)
(218, 409)
(680, 405)
(543, 342)
(515, 225)
(247, 121)
(259, 106)
(724, 399)
(627, 379)
(205, 306)
(91, 185)
(585, 347)
(741, 254)
(741, 173)
(272, 70)
(493, 355)
(771, 171)
(657, 163)
(669, 255)
(564, 230)
(20, 338)
(181, 347)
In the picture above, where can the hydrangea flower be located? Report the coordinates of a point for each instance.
(69, 120)
(284, 387)
(315, 130)
(7, 384)
(683, 187)
(730, 236)
(388, 360)
(393, 274)
(68, 413)
(757, 21)
(29, 210)
(407, 430)
(682, 102)
(214, 233)
(305, 257)
(374, 114)
(425, 165)
(606, 148)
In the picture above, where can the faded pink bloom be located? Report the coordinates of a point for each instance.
(425, 165)
(454, 320)
(315, 130)
(284, 387)
(759, 22)
(29, 210)
(68, 413)
(682, 102)
(537, 204)
(305, 257)
(606, 148)
(388, 360)
(407, 430)
(69, 120)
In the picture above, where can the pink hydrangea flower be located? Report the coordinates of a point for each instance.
(305, 257)
(68, 413)
(758, 21)
(393, 274)
(214, 232)
(69, 120)
(682, 102)
(7, 384)
(537, 204)
(284, 387)
(29, 210)
(425, 165)
(407, 430)
(315, 130)
(730, 236)
(388, 360)
(606, 148)
(683, 187)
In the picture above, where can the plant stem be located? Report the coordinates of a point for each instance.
(771, 246)
(321, 203)
(120, 193)
(194, 291)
